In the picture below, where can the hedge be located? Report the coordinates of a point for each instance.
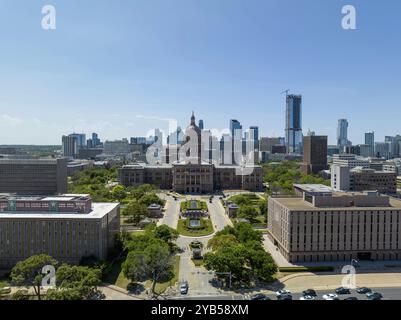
(306, 269)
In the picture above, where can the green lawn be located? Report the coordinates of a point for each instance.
(200, 205)
(205, 231)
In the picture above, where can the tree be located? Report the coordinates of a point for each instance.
(151, 198)
(165, 233)
(119, 192)
(135, 211)
(247, 212)
(75, 283)
(221, 241)
(263, 207)
(28, 273)
(154, 262)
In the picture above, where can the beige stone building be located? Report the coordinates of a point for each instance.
(66, 227)
(322, 225)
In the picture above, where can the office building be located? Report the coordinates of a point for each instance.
(66, 227)
(342, 134)
(201, 125)
(293, 128)
(315, 154)
(69, 146)
(321, 225)
(363, 179)
(236, 136)
(116, 147)
(350, 160)
(382, 150)
(370, 142)
(81, 139)
(266, 143)
(33, 176)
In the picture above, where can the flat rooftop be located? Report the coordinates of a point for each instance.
(99, 210)
(62, 197)
(298, 204)
(319, 188)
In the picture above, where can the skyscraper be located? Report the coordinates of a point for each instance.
(95, 140)
(201, 126)
(254, 135)
(293, 127)
(236, 136)
(81, 139)
(370, 143)
(342, 133)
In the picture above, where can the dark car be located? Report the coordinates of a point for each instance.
(363, 290)
(343, 290)
(284, 297)
(309, 292)
(374, 296)
(259, 296)
(351, 298)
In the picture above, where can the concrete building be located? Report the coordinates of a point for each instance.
(382, 150)
(33, 176)
(116, 147)
(66, 227)
(350, 160)
(345, 178)
(69, 146)
(370, 143)
(323, 225)
(266, 143)
(315, 154)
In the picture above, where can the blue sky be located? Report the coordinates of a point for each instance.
(119, 67)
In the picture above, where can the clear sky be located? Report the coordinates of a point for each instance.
(119, 67)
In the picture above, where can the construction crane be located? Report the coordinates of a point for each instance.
(286, 92)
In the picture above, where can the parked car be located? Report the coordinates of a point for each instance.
(309, 292)
(259, 296)
(330, 296)
(282, 292)
(184, 287)
(374, 296)
(363, 290)
(284, 297)
(351, 298)
(343, 290)
(306, 297)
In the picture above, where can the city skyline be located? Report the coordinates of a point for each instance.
(102, 70)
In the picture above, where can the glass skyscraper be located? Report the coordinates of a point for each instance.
(293, 127)
(342, 133)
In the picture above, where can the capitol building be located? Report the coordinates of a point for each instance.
(187, 171)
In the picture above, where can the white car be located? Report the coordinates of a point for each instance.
(307, 298)
(282, 292)
(330, 296)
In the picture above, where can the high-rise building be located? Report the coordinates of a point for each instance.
(342, 133)
(293, 128)
(370, 138)
(254, 135)
(81, 139)
(266, 143)
(95, 140)
(201, 125)
(69, 146)
(236, 136)
(33, 176)
(315, 154)
(382, 150)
